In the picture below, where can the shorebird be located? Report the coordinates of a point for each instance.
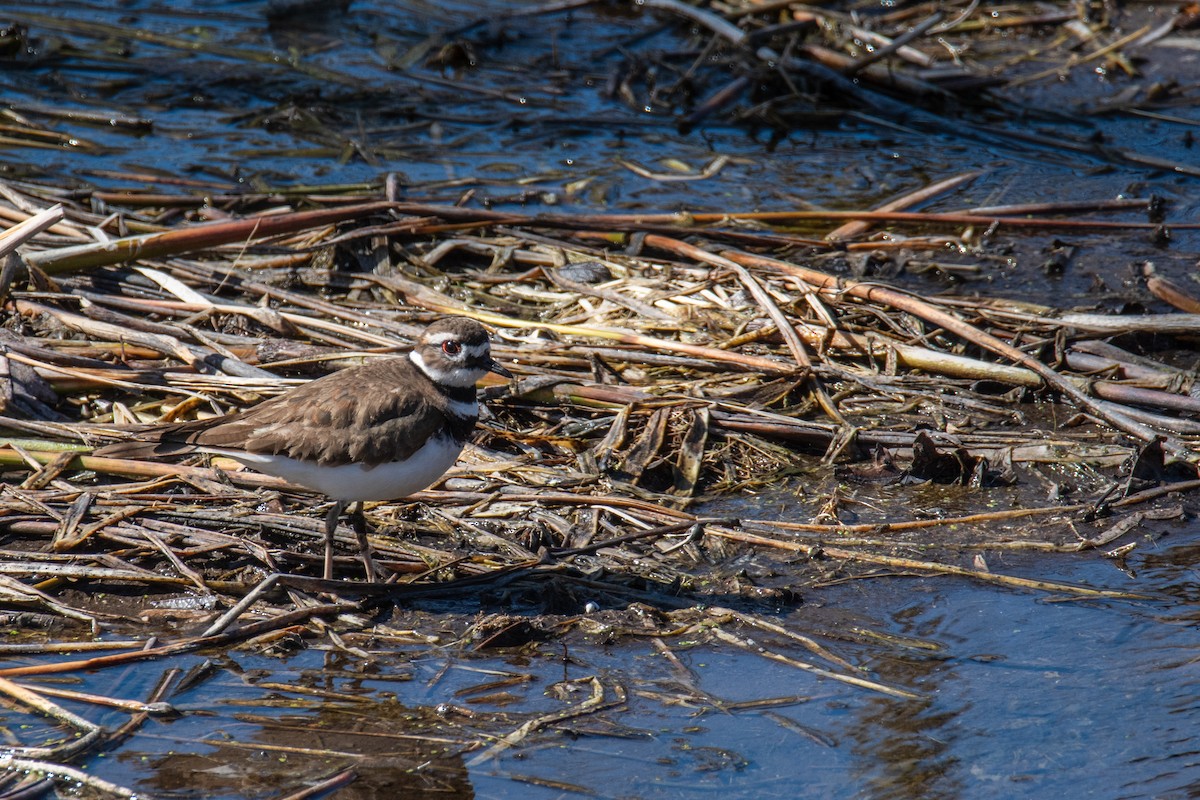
(379, 431)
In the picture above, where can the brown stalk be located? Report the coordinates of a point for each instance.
(680, 222)
(1171, 292)
(152, 469)
(189, 240)
(852, 229)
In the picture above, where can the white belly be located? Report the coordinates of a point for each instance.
(353, 482)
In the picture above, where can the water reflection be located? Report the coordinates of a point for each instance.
(1175, 571)
(900, 751)
(1033, 691)
(383, 744)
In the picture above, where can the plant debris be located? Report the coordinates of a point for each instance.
(680, 376)
(621, 428)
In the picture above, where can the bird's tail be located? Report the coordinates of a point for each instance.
(135, 449)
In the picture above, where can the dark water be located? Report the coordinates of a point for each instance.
(1021, 694)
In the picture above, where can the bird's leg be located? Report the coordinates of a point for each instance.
(331, 521)
(359, 522)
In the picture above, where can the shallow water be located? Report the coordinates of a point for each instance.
(1022, 694)
(1019, 695)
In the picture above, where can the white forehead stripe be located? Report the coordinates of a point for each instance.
(441, 338)
(450, 336)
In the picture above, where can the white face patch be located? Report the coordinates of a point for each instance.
(458, 377)
(415, 358)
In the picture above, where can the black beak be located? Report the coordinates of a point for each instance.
(494, 366)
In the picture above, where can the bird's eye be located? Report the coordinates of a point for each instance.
(451, 348)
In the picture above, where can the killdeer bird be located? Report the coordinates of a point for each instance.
(380, 431)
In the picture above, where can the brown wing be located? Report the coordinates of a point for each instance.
(368, 414)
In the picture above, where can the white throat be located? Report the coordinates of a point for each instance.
(458, 377)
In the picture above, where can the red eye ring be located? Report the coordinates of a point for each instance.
(451, 348)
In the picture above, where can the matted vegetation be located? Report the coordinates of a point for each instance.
(676, 374)
(659, 369)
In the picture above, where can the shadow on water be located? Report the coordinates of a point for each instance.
(1020, 694)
